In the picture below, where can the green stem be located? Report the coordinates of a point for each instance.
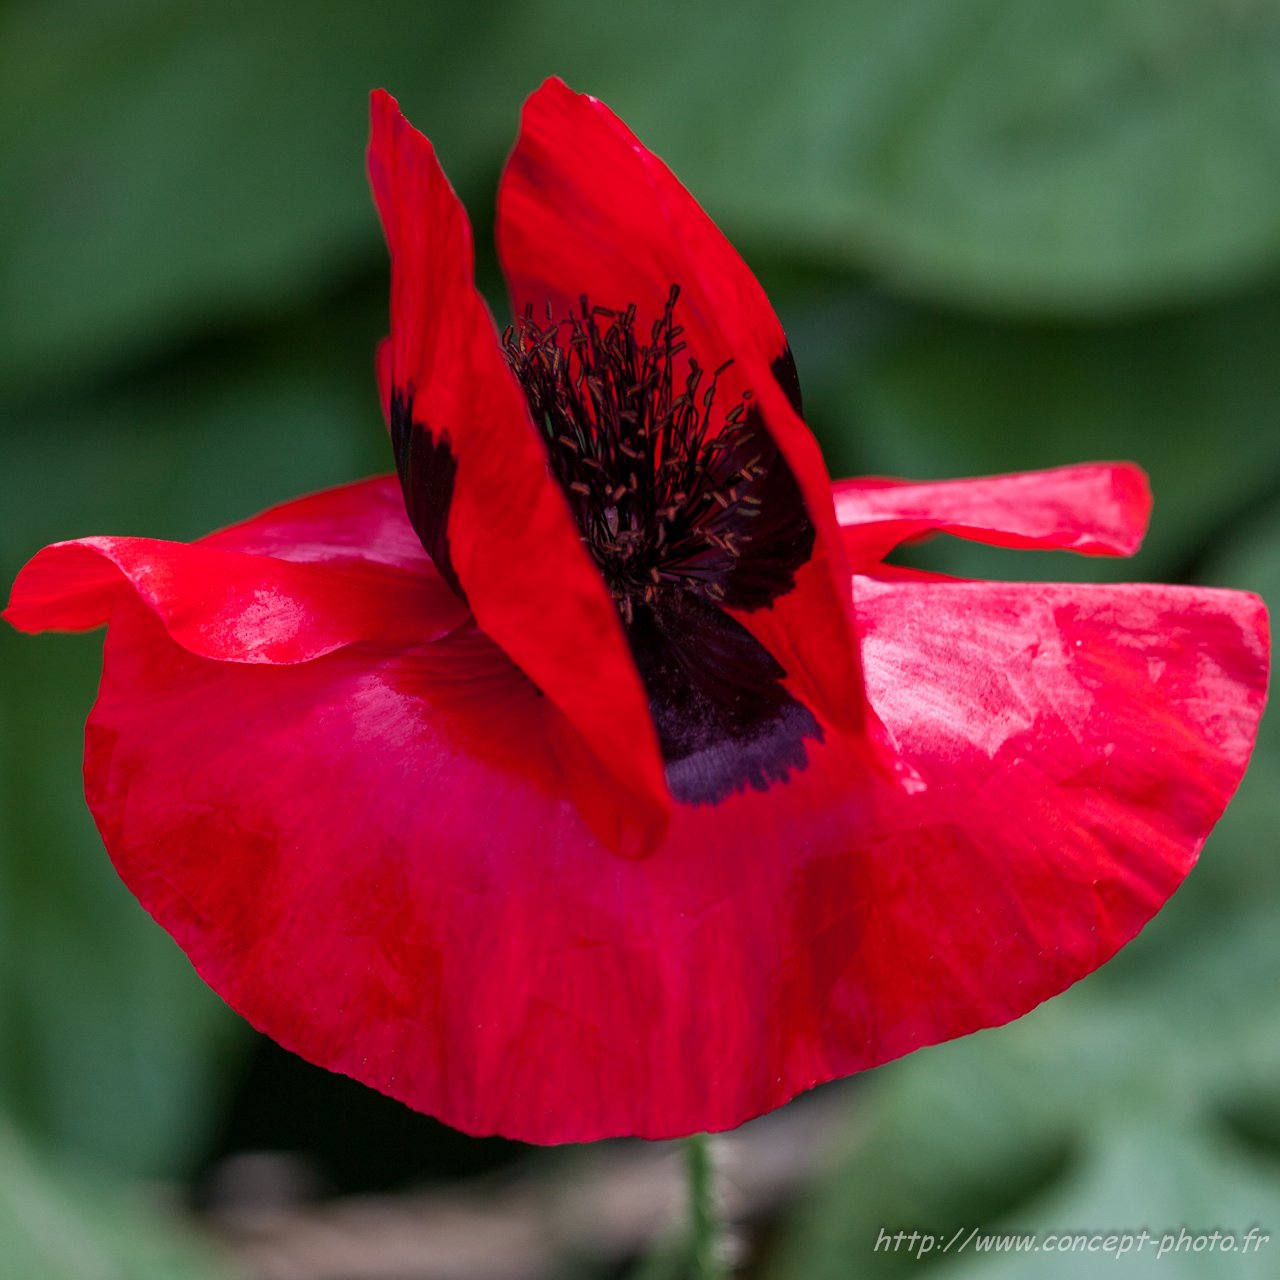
(704, 1219)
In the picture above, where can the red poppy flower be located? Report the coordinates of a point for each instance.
(621, 788)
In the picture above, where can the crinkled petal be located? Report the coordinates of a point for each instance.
(585, 208)
(1099, 509)
(1077, 743)
(233, 606)
(476, 481)
(371, 856)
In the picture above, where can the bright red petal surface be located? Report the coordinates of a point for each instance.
(585, 208)
(222, 603)
(1100, 509)
(352, 524)
(517, 554)
(370, 857)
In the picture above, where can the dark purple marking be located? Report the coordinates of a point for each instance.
(427, 470)
(724, 720)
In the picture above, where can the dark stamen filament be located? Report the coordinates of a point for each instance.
(658, 486)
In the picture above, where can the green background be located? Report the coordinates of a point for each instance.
(1001, 235)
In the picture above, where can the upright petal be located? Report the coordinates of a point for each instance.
(1099, 509)
(585, 208)
(476, 482)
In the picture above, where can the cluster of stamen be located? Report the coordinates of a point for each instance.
(661, 485)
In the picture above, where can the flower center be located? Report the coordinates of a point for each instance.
(693, 515)
(664, 483)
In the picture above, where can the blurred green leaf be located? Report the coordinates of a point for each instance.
(1033, 1126)
(172, 165)
(959, 1134)
(109, 1044)
(108, 1041)
(1216, 1003)
(1136, 1174)
(1038, 157)
(1191, 397)
(57, 1225)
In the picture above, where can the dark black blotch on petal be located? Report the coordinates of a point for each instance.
(690, 509)
(427, 470)
(724, 720)
(788, 378)
(777, 536)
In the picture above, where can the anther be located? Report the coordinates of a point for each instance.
(636, 441)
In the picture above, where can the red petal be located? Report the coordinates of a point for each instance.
(371, 856)
(232, 606)
(584, 207)
(810, 630)
(1077, 744)
(359, 523)
(531, 584)
(1101, 509)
